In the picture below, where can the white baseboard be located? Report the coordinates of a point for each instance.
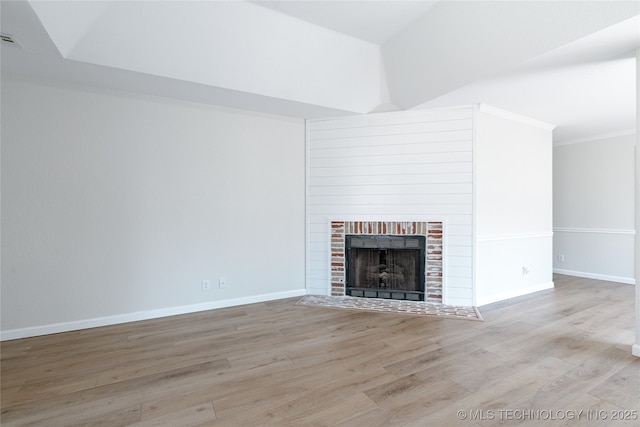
(515, 293)
(635, 350)
(608, 278)
(142, 315)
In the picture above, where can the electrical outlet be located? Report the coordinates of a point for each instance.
(560, 257)
(222, 282)
(206, 285)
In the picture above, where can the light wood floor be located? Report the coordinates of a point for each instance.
(276, 363)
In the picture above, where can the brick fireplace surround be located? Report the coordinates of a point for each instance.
(433, 263)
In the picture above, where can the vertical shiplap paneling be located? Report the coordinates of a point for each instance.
(401, 166)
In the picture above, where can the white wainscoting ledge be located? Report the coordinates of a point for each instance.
(594, 230)
(512, 237)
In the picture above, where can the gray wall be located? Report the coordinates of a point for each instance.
(115, 207)
(594, 208)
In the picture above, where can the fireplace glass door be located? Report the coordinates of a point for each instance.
(386, 267)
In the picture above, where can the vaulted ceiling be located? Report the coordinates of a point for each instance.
(567, 63)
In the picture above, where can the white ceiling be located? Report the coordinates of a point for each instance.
(372, 21)
(586, 87)
(566, 63)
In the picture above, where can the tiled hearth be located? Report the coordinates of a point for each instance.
(416, 308)
(432, 230)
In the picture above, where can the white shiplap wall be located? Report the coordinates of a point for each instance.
(400, 166)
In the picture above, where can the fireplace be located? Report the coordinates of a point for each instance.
(385, 267)
(430, 261)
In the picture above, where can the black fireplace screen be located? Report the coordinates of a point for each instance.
(385, 267)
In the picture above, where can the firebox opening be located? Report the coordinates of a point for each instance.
(390, 267)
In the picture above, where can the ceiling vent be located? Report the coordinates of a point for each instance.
(9, 39)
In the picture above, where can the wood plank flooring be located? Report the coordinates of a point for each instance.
(535, 360)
